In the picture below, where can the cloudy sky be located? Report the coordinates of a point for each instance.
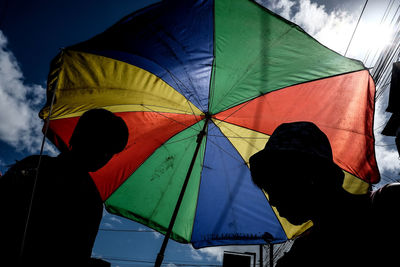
(31, 33)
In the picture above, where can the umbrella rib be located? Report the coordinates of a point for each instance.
(224, 120)
(177, 82)
(258, 58)
(177, 141)
(241, 161)
(222, 149)
(212, 84)
(174, 55)
(161, 198)
(178, 111)
(163, 114)
(244, 137)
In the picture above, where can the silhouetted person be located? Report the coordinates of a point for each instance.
(386, 199)
(386, 208)
(67, 207)
(297, 171)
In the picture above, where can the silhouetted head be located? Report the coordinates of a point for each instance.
(98, 135)
(386, 205)
(296, 168)
(392, 128)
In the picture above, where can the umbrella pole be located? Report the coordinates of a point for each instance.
(35, 181)
(160, 256)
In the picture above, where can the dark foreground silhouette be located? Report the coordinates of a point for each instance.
(66, 208)
(297, 171)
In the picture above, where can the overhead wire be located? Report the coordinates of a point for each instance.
(386, 13)
(381, 72)
(394, 25)
(355, 29)
(395, 13)
(391, 178)
(388, 8)
(383, 145)
(382, 75)
(395, 36)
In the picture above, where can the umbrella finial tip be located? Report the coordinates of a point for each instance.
(207, 115)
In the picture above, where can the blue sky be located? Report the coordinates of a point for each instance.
(32, 32)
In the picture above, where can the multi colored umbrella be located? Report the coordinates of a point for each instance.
(218, 76)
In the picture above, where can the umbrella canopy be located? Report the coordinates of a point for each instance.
(232, 68)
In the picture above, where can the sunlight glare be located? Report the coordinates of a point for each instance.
(371, 38)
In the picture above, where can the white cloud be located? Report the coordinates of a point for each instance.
(335, 28)
(282, 7)
(311, 16)
(108, 225)
(20, 126)
(332, 29)
(195, 254)
(115, 219)
(157, 235)
(214, 253)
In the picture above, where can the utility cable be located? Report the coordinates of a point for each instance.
(391, 25)
(355, 29)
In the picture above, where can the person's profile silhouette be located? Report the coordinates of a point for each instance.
(66, 207)
(297, 171)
